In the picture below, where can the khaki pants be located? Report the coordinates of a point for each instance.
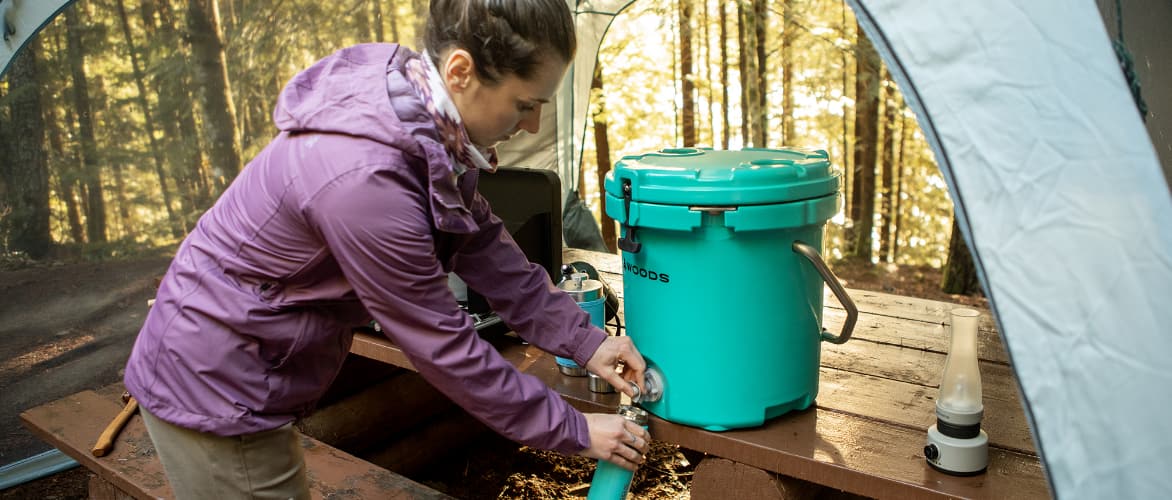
(264, 465)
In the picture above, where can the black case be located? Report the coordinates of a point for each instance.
(528, 201)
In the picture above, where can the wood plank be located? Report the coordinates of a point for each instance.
(382, 351)
(100, 489)
(914, 380)
(529, 359)
(859, 456)
(718, 479)
(865, 455)
(879, 382)
(914, 407)
(899, 306)
(914, 334)
(359, 422)
(913, 366)
(71, 424)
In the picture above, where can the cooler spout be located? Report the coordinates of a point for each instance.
(653, 382)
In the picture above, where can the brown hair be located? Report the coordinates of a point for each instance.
(505, 37)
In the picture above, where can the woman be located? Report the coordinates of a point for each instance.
(358, 210)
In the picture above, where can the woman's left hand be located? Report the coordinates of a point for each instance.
(616, 352)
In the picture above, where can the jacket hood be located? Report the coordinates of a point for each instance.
(360, 91)
(344, 93)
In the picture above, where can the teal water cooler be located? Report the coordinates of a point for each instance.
(723, 278)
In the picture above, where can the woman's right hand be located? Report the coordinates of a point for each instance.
(616, 440)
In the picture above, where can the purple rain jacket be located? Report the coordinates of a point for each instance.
(350, 214)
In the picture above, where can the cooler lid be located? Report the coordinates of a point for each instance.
(706, 177)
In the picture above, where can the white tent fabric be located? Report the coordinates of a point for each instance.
(565, 123)
(1062, 200)
(22, 19)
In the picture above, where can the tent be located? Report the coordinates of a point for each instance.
(1059, 194)
(20, 20)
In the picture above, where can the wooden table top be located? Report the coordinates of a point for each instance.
(876, 399)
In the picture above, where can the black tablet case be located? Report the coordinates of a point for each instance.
(528, 201)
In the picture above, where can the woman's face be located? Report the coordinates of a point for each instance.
(493, 113)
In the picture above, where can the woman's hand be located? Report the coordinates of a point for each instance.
(616, 353)
(616, 440)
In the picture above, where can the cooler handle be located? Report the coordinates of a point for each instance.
(852, 312)
(628, 243)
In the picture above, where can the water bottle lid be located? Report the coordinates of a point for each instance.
(633, 413)
(580, 287)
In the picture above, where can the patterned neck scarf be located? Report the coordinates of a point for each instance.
(426, 80)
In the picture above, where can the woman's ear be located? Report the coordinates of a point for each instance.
(459, 71)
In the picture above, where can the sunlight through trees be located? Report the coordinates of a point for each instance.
(148, 108)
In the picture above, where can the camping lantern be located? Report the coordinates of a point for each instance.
(956, 443)
(723, 278)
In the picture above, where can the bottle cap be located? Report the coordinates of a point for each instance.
(633, 413)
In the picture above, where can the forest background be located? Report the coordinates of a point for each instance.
(125, 119)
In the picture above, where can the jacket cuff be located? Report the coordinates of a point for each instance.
(580, 433)
(592, 338)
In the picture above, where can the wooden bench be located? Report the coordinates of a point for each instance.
(132, 469)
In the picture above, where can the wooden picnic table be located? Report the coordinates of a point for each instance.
(876, 399)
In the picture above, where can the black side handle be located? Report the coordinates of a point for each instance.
(628, 243)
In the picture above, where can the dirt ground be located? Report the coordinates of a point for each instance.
(65, 328)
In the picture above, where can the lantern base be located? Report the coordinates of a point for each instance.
(958, 457)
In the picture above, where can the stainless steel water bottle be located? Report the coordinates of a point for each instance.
(610, 481)
(588, 294)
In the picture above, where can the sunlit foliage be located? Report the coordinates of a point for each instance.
(157, 177)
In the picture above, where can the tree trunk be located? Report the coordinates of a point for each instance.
(724, 123)
(723, 478)
(602, 151)
(960, 275)
(123, 224)
(866, 145)
(181, 136)
(687, 79)
(393, 15)
(66, 174)
(743, 64)
(67, 188)
(788, 33)
(230, 18)
(901, 170)
(148, 121)
(215, 92)
(378, 20)
(420, 7)
(362, 17)
(24, 169)
(5, 168)
(847, 172)
(704, 75)
(760, 21)
(886, 212)
(752, 75)
(95, 220)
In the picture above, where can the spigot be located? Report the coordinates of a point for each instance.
(653, 381)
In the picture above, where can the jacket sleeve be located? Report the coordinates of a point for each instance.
(522, 293)
(379, 230)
